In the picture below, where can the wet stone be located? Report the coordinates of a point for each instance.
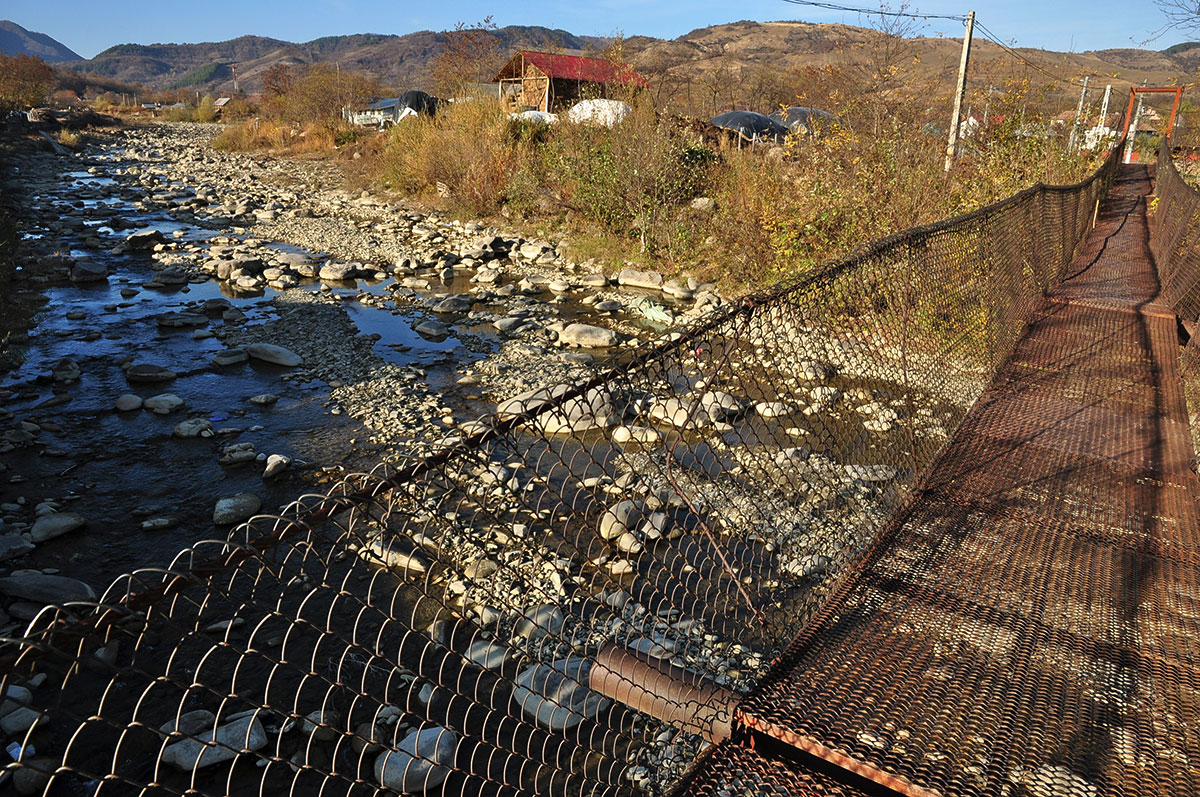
(48, 527)
(276, 355)
(230, 357)
(12, 546)
(246, 733)
(45, 589)
(163, 404)
(128, 403)
(419, 763)
(144, 372)
(236, 508)
(193, 427)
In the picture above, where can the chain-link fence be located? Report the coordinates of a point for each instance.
(571, 596)
(1175, 241)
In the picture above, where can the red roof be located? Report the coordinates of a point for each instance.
(577, 67)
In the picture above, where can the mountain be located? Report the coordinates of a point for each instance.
(398, 61)
(15, 40)
(741, 55)
(719, 66)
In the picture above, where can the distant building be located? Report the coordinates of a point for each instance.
(378, 113)
(545, 82)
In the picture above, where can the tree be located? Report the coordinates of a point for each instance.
(467, 54)
(206, 111)
(323, 91)
(25, 81)
(278, 80)
(1179, 14)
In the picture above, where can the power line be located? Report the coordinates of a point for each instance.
(995, 39)
(882, 12)
(986, 32)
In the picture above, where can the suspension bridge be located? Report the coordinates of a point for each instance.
(923, 521)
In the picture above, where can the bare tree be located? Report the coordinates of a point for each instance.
(467, 53)
(278, 80)
(1179, 14)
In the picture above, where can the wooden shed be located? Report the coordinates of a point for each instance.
(547, 81)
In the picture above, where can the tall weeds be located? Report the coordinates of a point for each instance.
(775, 213)
(469, 154)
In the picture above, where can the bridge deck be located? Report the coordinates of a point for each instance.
(1030, 624)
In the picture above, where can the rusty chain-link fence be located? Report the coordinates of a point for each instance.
(570, 597)
(1175, 240)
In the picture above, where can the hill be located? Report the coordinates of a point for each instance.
(15, 40)
(399, 61)
(737, 57)
(718, 66)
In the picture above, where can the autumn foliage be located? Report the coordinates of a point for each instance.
(25, 81)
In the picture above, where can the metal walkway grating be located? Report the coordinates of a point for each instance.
(1029, 625)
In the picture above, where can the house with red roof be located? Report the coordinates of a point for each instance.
(548, 81)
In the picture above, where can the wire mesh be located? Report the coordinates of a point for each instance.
(440, 628)
(1175, 241)
(1026, 625)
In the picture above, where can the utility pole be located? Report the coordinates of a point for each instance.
(952, 144)
(1133, 129)
(1078, 113)
(1104, 107)
(235, 81)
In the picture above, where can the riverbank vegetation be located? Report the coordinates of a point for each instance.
(746, 216)
(660, 188)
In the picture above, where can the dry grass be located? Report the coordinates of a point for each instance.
(628, 190)
(279, 137)
(469, 155)
(70, 139)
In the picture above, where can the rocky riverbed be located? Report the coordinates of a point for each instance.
(223, 332)
(163, 262)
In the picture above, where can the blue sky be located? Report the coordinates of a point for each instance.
(89, 26)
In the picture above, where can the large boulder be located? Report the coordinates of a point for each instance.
(588, 336)
(89, 271)
(454, 305)
(47, 527)
(43, 588)
(633, 278)
(144, 239)
(337, 272)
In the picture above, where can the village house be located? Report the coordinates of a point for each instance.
(546, 82)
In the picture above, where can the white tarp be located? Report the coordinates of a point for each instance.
(535, 116)
(599, 112)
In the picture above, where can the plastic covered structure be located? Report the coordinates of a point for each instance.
(599, 112)
(804, 120)
(751, 126)
(424, 104)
